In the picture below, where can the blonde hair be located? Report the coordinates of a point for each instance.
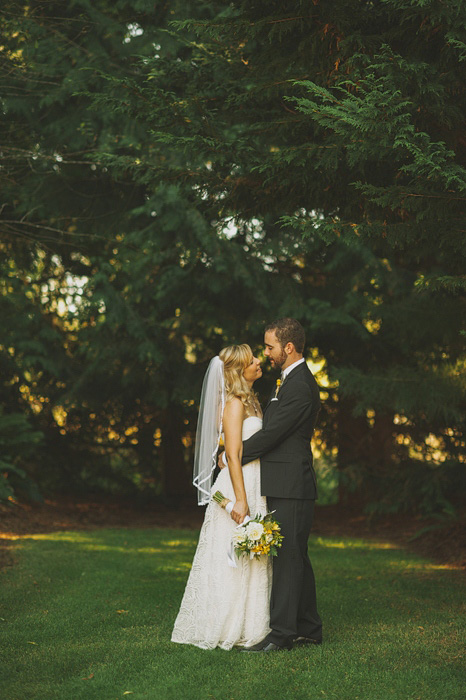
(235, 359)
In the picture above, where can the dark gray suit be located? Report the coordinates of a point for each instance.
(289, 483)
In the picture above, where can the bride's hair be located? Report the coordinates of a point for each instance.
(235, 359)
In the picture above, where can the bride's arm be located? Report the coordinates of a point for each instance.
(233, 417)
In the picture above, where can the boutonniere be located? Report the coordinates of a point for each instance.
(279, 383)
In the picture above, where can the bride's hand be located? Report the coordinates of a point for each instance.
(239, 512)
(220, 461)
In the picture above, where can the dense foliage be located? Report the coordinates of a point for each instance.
(172, 184)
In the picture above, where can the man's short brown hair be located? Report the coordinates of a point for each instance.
(288, 330)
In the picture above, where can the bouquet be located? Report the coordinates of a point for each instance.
(254, 536)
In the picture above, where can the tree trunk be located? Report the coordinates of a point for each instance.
(364, 452)
(352, 434)
(176, 473)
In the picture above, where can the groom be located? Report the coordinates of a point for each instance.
(289, 483)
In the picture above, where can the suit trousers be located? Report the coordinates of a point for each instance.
(293, 605)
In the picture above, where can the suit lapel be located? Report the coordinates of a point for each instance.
(293, 373)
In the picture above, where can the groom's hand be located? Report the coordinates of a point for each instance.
(239, 512)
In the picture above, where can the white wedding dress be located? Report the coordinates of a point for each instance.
(224, 606)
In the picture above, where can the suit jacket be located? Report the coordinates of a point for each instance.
(283, 443)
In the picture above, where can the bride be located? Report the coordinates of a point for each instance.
(224, 606)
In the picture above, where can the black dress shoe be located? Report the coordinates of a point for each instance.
(305, 641)
(270, 646)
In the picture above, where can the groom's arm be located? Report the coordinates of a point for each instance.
(294, 406)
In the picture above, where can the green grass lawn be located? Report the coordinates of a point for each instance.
(88, 616)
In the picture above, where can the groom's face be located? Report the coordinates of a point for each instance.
(273, 350)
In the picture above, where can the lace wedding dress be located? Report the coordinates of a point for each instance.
(223, 606)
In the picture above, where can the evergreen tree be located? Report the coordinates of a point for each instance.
(63, 214)
(250, 162)
(331, 135)
(108, 292)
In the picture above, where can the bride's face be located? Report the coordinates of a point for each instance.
(253, 371)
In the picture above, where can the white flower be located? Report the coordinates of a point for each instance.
(239, 537)
(269, 537)
(254, 531)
